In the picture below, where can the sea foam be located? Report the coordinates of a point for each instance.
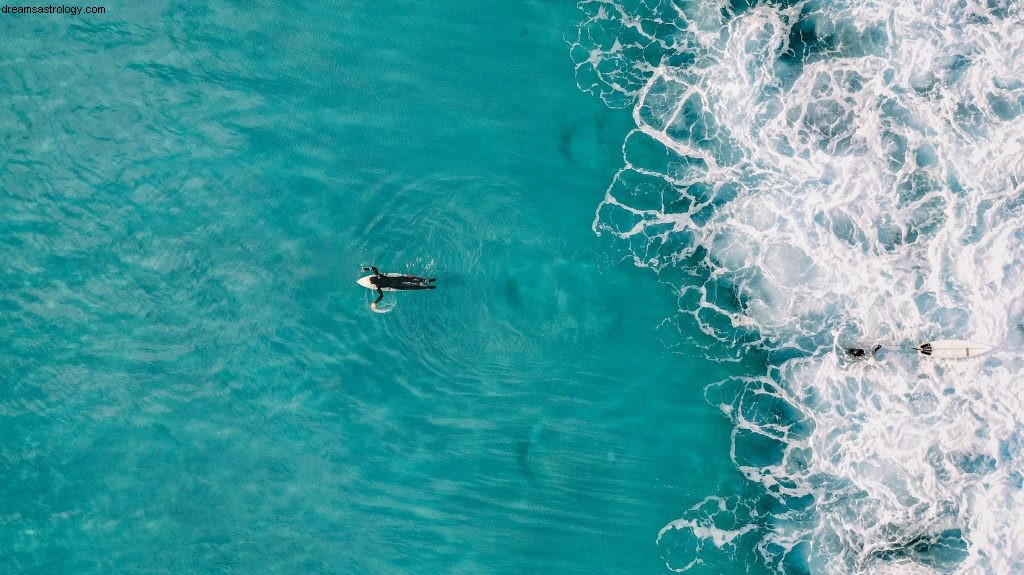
(815, 175)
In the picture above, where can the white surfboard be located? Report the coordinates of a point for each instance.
(953, 348)
(365, 282)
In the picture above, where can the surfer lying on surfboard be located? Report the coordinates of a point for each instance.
(396, 282)
(940, 349)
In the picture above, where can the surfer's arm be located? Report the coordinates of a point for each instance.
(380, 296)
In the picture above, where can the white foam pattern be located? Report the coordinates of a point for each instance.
(812, 175)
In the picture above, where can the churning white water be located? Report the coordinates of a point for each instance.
(815, 175)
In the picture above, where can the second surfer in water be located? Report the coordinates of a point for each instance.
(398, 283)
(861, 352)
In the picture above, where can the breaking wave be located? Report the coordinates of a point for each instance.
(815, 175)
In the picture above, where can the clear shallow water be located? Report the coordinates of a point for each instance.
(192, 382)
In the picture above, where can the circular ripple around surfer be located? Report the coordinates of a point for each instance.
(505, 298)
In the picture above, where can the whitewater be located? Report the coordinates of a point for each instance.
(810, 176)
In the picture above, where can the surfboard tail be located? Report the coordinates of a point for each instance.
(953, 348)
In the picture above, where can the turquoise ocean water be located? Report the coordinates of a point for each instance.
(193, 382)
(656, 228)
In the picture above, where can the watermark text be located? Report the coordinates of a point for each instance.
(51, 9)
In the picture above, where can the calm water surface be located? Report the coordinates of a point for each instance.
(192, 381)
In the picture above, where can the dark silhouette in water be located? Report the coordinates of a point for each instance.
(512, 293)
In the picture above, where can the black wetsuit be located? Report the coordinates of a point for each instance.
(861, 352)
(400, 283)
